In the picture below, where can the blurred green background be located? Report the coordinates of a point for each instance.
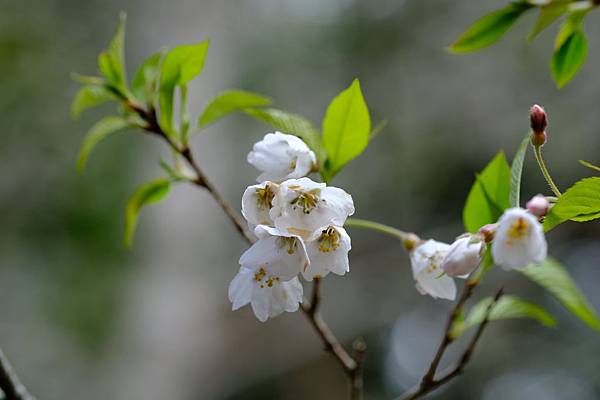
(81, 317)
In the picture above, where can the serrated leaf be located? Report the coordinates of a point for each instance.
(489, 29)
(180, 65)
(228, 102)
(289, 123)
(581, 202)
(589, 165)
(149, 193)
(548, 14)
(145, 79)
(100, 131)
(553, 277)
(516, 170)
(88, 97)
(346, 129)
(568, 59)
(507, 307)
(489, 195)
(112, 61)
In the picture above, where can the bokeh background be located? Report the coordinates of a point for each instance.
(81, 317)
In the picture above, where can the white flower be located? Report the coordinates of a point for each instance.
(268, 297)
(426, 260)
(301, 206)
(464, 256)
(328, 252)
(281, 157)
(257, 202)
(268, 275)
(519, 240)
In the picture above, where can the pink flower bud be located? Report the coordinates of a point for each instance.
(539, 122)
(538, 205)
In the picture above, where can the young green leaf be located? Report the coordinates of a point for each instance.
(489, 29)
(180, 65)
(112, 61)
(149, 193)
(589, 165)
(101, 130)
(228, 102)
(346, 129)
(568, 59)
(548, 14)
(507, 307)
(292, 124)
(516, 170)
(553, 277)
(489, 195)
(144, 83)
(88, 97)
(581, 202)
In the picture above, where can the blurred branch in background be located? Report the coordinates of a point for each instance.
(10, 384)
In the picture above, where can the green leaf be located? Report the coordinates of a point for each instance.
(149, 193)
(180, 65)
(581, 202)
(573, 23)
(516, 170)
(144, 83)
(507, 307)
(346, 129)
(228, 102)
(589, 165)
(489, 196)
(289, 123)
(100, 131)
(548, 14)
(489, 29)
(569, 58)
(553, 277)
(88, 97)
(112, 61)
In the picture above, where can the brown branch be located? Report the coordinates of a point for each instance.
(10, 384)
(352, 365)
(429, 382)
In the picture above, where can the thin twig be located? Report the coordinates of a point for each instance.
(352, 366)
(10, 384)
(429, 382)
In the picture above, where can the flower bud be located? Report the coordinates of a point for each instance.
(538, 205)
(539, 122)
(488, 231)
(463, 257)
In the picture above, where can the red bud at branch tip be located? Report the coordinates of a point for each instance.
(539, 122)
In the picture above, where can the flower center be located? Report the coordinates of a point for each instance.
(290, 242)
(518, 230)
(264, 197)
(265, 281)
(329, 240)
(307, 200)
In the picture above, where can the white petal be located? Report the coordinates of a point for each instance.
(261, 300)
(256, 209)
(428, 255)
(437, 286)
(324, 258)
(463, 257)
(240, 288)
(285, 296)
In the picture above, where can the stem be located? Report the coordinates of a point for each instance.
(376, 226)
(545, 172)
(12, 388)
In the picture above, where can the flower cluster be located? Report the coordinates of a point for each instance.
(517, 241)
(299, 226)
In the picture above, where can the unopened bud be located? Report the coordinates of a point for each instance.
(539, 122)
(538, 205)
(487, 232)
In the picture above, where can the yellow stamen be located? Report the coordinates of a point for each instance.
(329, 240)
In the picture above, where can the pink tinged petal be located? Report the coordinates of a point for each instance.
(463, 257)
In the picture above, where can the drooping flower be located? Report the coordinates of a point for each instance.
(328, 252)
(301, 206)
(257, 201)
(280, 157)
(463, 257)
(519, 240)
(268, 274)
(426, 261)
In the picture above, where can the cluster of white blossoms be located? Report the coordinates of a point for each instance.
(299, 226)
(517, 241)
